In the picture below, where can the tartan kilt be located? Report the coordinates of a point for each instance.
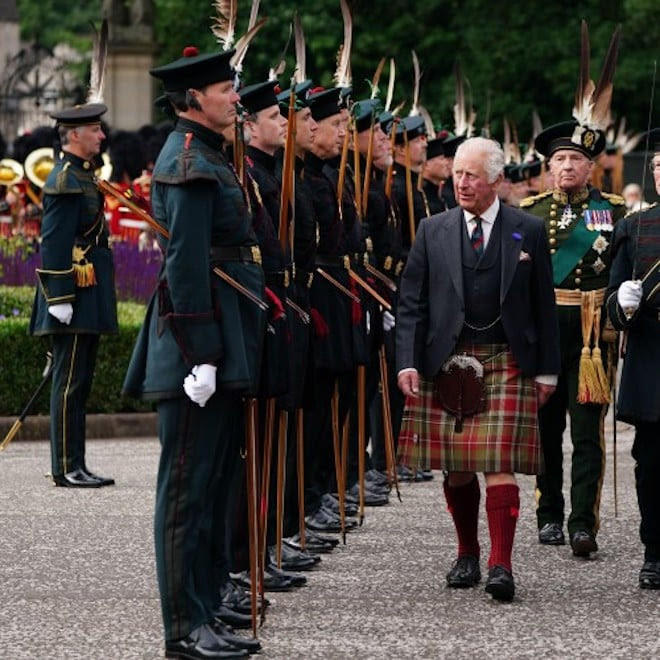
(503, 438)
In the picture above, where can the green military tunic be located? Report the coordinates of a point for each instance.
(579, 231)
(77, 268)
(195, 317)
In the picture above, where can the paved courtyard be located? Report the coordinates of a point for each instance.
(77, 576)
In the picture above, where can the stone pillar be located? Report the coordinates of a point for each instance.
(128, 85)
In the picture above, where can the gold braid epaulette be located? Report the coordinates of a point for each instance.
(530, 201)
(638, 211)
(614, 199)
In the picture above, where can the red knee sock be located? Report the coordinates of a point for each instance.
(502, 506)
(463, 504)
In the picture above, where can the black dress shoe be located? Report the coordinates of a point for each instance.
(103, 481)
(329, 502)
(552, 534)
(583, 543)
(324, 520)
(271, 582)
(354, 490)
(464, 573)
(293, 560)
(235, 597)
(404, 473)
(226, 634)
(311, 535)
(500, 584)
(275, 573)
(202, 643)
(376, 477)
(234, 618)
(313, 545)
(649, 576)
(76, 479)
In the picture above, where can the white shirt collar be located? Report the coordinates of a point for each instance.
(488, 215)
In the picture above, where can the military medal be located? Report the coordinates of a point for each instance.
(600, 244)
(588, 216)
(566, 218)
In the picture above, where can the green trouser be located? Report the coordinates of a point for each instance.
(587, 436)
(74, 358)
(192, 486)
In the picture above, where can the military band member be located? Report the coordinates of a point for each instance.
(75, 301)
(579, 221)
(633, 305)
(198, 351)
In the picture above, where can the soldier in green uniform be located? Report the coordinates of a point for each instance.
(436, 170)
(579, 221)
(75, 301)
(198, 352)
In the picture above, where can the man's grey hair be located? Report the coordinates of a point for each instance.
(492, 151)
(63, 133)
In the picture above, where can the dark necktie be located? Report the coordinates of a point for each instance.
(477, 238)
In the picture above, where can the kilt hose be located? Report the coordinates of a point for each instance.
(503, 438)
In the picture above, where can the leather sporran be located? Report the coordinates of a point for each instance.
(459, 388)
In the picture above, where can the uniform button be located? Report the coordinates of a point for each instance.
(552, 251)
(552, 232)
(585, 206)
(553, 214)
(578, 271)
(553, 241)
(578, 280)
(580, 262)
(553, 206)
(553, 223)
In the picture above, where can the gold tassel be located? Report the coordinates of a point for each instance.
(588, 384)
(83, 270)
(603, 393)
(84, 274)
(587, 379)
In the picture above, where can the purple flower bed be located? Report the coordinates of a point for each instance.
(18, 259)
(136, 271)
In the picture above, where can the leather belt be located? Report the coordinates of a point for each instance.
(340, 261)
(303, 277)
(277, 278)
(244, 253)
(573, 297)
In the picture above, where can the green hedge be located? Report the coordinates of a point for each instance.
(22, 358)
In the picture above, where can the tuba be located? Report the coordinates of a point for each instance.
(11, 172)
(38, 165)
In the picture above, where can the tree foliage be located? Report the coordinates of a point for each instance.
(517, 57)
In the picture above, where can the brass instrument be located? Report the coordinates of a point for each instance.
(11, 172)
(38, 165)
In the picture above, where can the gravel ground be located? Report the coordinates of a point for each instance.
(77, 576)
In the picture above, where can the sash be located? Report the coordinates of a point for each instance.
(575, 246)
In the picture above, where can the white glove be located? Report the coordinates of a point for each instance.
(388, 321)
(629, 295)
(199, 384)
(63, 312)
